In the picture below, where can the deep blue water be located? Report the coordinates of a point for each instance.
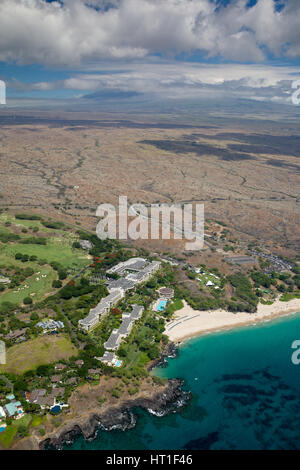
(56, 409)
(245, 395)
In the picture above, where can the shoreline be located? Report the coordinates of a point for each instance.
(120, 415)
(189, 323)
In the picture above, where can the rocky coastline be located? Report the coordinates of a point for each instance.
(120, 417)
(170, 351)
(164, 399)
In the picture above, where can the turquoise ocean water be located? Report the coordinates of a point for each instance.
(246, 395)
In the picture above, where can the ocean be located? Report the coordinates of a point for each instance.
(245, 395)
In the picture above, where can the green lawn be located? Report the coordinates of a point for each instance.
(135, 357)
(37, 421)
(22, 223)
(58, 249)
(7, 437)
(204, 278)
(35, 284)
(33, 353)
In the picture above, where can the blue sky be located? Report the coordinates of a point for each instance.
(176, 48)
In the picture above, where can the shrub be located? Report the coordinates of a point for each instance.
(34, 316)
(56, 284)
(23, 430)
(54, 225)
(115, 393)
(33, 241)
(27, 217)
(62, 274)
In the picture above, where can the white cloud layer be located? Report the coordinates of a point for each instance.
(78, 31)
(176, 80)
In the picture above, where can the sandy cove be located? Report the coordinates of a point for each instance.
(189, 322)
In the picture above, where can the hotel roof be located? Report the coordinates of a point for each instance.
(136, 312)
(108, 356)
(138, 276)
(113, 340)
(126, 326)
(132, 263)
(121, 283)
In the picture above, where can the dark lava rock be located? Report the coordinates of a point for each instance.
(159, 404)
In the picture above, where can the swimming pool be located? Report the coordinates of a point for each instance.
(118, 363)
(2, 428)
(55, 409)
(161, 306)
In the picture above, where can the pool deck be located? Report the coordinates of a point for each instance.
(159, 305)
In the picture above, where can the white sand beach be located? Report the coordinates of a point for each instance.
(188, 322)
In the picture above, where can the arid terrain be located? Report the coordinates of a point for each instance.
(65, 167)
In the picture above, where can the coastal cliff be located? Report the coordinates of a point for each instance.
(170, 351)
(170, 398)
(93, 408)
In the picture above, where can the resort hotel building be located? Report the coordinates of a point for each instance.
(133, 271)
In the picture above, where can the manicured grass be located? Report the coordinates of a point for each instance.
(35, 284)
(58, 249)
(28, 224)
(204, 278)
(177, 304)
(37, 421)
(7, 436)
(135, 357)
(35, 352)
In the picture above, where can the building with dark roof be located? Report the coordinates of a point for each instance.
(166, 292)
(56, 378)
(60, 366)
(58, 391)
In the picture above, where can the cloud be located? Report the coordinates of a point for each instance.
(176, 80)
(73, 32)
